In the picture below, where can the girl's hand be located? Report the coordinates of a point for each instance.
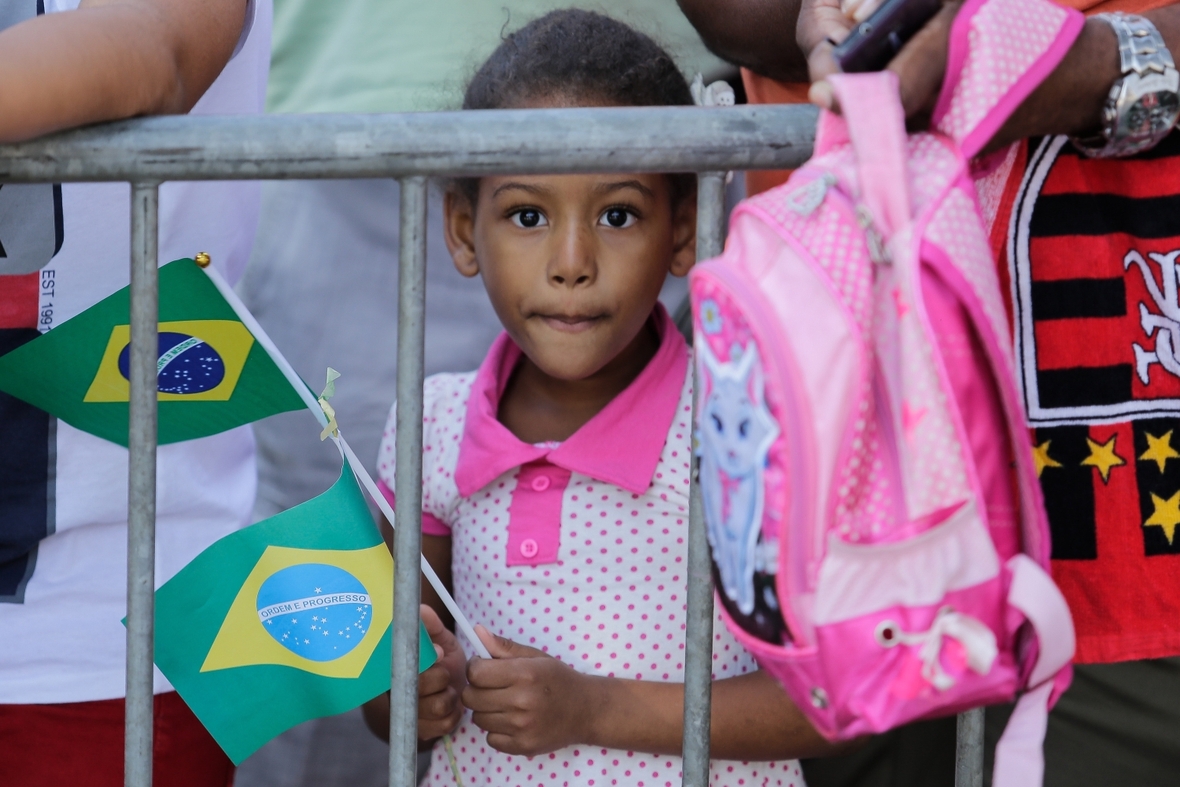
(527, 701)
(920, 65)
(439, 709)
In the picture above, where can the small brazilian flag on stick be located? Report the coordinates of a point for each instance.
(213, 374)
(284, 621)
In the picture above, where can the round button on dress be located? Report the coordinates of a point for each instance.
(528, 547)
(540, 483)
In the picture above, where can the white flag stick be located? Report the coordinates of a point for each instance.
(260, 336)
(358, 468)
(436, 583)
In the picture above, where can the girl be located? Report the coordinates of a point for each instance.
(556, 477)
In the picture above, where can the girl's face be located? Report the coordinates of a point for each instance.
(573, 264)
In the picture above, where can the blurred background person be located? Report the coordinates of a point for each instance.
(63, 492)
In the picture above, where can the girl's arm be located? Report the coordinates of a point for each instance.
(437, 551)
(530, 703)
(439, 709)
(112, 59)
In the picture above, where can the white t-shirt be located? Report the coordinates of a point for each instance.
(577, 549)
(63, 640)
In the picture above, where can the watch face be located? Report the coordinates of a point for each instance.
(1152, 113)
(1150, 104)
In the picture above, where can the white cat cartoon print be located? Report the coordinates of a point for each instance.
(736, 431)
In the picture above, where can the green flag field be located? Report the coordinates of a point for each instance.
(212, 373)
(284, 621)
(281, 622)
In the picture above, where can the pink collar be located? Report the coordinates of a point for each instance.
(621, 445)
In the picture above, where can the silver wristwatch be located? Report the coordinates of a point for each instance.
(1144, 103)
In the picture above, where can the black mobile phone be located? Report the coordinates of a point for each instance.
(873, 43)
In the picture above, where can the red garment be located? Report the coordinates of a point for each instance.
(80, 744)
(18, 301)
(1091, 7)
(1092, 325)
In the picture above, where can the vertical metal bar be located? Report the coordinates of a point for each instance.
(710, 215)
(407, 539)
(698, 648)
(969, 749)
(141, 510)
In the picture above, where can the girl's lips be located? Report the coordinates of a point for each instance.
(569, 324)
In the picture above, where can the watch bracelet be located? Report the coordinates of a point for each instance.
(1135, 62)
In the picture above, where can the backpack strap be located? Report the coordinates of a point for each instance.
(875, 121)
(1000, 50)
(1020, 760)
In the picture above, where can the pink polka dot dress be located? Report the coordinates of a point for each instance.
(577, 549)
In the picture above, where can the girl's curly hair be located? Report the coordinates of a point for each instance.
(578, 56)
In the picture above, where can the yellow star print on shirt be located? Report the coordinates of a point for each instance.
(1103, 457)
(1042, 459)
(1160, 450)
(1166, 514)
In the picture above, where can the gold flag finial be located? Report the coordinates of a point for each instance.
(203, 259)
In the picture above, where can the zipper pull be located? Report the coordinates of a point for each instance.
(806, 199)
(877, 251)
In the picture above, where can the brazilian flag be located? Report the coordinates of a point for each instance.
(212, 373)
(284, 621)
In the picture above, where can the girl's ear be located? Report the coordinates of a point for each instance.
(459, 232)
(684, 237)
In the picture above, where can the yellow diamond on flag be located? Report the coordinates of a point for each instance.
(199, 360)
(319, 610)
(213, 374)
(283, 621)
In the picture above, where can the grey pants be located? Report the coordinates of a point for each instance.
(1118, 724)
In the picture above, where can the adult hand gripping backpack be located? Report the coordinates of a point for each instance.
(879, 540)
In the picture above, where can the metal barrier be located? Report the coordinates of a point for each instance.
(409, 147)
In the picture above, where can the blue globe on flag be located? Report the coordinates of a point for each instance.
(315, 610)
(187, 364)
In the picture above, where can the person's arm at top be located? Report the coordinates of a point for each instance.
(112, 59)
(756, 34)
(1069, 101)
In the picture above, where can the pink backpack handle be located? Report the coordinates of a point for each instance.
(875, 121)
(990, 71)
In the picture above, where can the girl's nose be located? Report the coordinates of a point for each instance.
(573, 263)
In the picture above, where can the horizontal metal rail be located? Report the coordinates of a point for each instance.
(652, 139)
(409, 147)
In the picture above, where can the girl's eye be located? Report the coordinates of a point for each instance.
(528, 218)
(617, 218)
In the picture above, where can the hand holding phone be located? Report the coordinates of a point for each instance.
(873, 42)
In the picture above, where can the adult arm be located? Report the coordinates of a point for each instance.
(756, 34)
(112, 59)
(531, 703)
(1069, 101)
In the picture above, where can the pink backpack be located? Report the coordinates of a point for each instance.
(878, 535)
